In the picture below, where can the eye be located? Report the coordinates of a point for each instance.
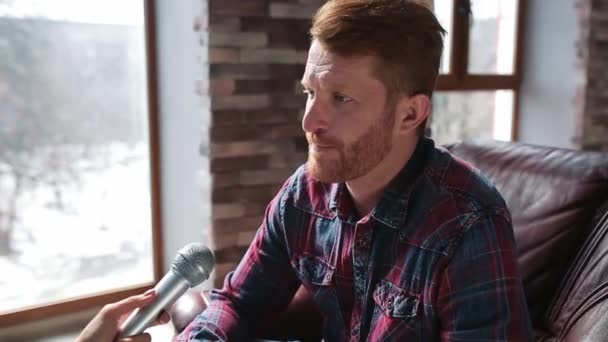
(342, 98)
(310, 93)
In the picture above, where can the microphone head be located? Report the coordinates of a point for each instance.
(194, 262)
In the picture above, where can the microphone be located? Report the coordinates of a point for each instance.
(191, 266)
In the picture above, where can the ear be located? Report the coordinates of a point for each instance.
(412, 112)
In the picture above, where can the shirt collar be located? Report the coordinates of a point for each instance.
(392, 207)
(341, 203)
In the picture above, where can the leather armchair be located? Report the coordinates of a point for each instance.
(559, 203)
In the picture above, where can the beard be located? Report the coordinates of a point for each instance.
(344, 162)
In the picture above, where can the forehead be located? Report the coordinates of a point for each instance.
(325, 66)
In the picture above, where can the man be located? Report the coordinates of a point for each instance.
(395, 239)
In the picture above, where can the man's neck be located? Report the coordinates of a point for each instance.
(366, 191)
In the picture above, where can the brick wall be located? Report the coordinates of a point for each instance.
(592, 84)
(256, 51)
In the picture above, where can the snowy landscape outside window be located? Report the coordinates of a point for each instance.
(75, 166)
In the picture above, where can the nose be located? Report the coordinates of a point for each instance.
(315, 119)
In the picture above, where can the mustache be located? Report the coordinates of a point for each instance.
(323, 140)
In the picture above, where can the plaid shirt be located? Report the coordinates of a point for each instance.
(435, 260)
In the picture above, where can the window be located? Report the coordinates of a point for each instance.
(444, 10)
(476, 96)
(79, 202)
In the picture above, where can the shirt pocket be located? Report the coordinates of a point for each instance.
(396, 302)
(396, 313)
(318, 277)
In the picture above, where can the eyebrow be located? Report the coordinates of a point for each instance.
(334, 84)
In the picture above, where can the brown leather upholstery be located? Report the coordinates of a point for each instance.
(580, 311)
(561, 229)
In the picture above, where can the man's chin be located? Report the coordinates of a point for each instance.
(324, 175)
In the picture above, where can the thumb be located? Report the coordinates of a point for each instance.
(129, 304)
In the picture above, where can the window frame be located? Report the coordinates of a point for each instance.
(45, 311)
(459, 79)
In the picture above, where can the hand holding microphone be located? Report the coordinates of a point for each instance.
(191, 266)
(104, 326)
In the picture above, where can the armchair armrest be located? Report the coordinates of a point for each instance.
(592, 326)
(186, 308)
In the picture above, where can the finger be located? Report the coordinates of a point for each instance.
(129, 304)
(137, 338)
(163, 318)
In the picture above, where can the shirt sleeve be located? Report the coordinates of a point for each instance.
(480, 294)
(264, 282)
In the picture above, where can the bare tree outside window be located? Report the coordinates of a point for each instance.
(475, 115)
(75, 207)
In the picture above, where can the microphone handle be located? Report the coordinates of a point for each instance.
(168, 290)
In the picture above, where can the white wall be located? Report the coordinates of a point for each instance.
(547, 94)
(183, 123)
